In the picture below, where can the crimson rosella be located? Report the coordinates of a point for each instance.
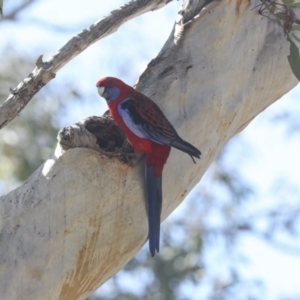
(149, 132)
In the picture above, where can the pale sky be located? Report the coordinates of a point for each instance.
(273, 154)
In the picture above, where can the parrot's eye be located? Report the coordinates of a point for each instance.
(101, 90)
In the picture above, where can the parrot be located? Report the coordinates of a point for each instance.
(150, 133)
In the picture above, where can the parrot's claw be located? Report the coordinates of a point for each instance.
(132, 158)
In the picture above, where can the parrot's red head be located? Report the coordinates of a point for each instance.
(110, 88)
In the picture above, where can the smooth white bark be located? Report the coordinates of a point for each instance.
(81, 216)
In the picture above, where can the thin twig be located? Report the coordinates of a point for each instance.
(12, 15)
(45, 71)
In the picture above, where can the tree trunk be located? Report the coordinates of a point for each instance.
(81, 216)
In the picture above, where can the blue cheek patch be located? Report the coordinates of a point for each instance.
(113, 93)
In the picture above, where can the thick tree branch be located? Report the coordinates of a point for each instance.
(44, 72)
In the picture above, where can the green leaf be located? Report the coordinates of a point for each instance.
(270, 6)
(295, 5)
(1, 8)
(295, 27)
(295, 37)
(280, 15)
(288, 3)
(294, 59)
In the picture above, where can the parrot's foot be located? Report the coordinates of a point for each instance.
(132, 158)
(129, 158)
(130, 154)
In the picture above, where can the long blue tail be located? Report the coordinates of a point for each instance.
(154, 204)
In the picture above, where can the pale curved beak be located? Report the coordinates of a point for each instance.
(101, 90)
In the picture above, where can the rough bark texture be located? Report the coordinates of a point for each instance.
(81, 216)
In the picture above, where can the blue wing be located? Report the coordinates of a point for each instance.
(145, 119)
